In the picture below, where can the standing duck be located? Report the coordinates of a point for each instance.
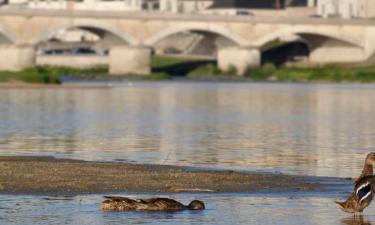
(361, 197)
(363, 189)
(115, 203)
(368, 168)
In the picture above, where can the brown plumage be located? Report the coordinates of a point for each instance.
(351, 205)
(368, 167)
(357, 201)
(116, 203)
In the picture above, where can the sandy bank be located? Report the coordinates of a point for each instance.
(47, 175)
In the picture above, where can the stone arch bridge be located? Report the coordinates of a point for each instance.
(133, 35)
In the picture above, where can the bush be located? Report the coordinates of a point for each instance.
(204, 71)
(269, 68)
(48, 74)
(365, 76)
(261, 73)
(256, 73)
(232, 70)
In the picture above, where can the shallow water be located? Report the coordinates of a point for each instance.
(221, 209)
(322, 130)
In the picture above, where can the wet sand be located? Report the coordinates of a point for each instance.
(48, 175)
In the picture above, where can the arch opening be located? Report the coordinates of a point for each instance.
(78, 40)
(296, 49)
(78, 46)
(195, 48)
(5, 38)
(194, 42)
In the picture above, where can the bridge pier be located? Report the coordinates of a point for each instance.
(240, 58)
(16, 57)
(130, 60)
(337, 54)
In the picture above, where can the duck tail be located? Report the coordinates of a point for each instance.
(341, 204)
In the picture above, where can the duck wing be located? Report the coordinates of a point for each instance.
(165, 203)
(120, 199)
(364, 189)
(117, 203)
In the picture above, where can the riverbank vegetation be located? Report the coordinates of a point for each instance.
(165, 68)
(49, 74)
(329, 73)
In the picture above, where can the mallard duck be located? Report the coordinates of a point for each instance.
(116, 203)
(368, 167)
(361, 196)
(363, 191)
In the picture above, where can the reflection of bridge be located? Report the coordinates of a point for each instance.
(133, 35)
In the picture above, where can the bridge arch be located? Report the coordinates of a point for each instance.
(6, 37)
(312, 44)
(202, 28)
(102, 30)
(303, 32)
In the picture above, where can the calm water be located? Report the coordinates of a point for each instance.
(318, 130)
(221, 209)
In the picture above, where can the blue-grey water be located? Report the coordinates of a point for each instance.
(314, 130)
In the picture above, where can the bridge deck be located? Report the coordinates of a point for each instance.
(182, 17)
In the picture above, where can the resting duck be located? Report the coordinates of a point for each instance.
(115, 203)
(363, 189)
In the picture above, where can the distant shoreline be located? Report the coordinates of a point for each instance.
(180, 69)
(48, 175)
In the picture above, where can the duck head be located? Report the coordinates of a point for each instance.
(196, 205)
(370, 159)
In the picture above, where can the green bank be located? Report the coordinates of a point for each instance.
(165, 68)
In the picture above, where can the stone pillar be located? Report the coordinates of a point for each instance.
(129, 60)
(311, 3)
(337, 54)
(240, 58)
(16, 57)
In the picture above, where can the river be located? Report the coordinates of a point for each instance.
(298, 129)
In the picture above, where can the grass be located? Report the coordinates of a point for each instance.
(208, 70)
(329, 73)
(48, 74)
(165, 68)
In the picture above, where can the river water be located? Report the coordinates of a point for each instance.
(299, 129)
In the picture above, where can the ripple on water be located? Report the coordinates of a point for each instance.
(221, 209)
(323, 130)
(299, 129)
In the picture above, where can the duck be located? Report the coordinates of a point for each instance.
(117, 203)
(368, 167)
(361, 197)
(363, 192)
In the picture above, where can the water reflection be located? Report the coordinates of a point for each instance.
(221, 209)
(358, 220)
(292, 128)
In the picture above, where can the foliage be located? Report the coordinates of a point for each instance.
(47, 74)
(208, 70)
